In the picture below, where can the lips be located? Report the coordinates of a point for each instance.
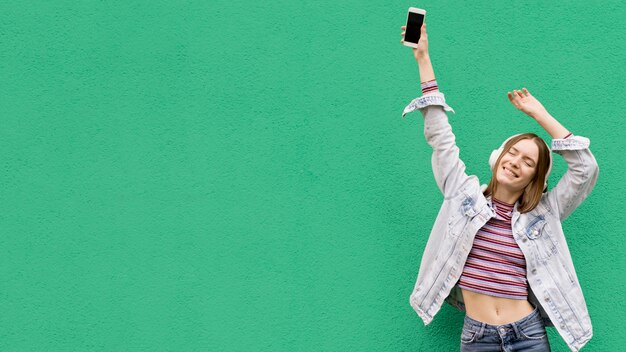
(509, 172)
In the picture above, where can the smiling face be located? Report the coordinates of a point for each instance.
(520, 172)
(518, 165)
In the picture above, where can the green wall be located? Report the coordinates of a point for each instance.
(236, 176)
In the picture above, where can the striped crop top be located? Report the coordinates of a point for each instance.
(496, 266)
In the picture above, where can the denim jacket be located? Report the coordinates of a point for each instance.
(553, 285)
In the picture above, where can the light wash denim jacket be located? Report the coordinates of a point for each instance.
(553, 285)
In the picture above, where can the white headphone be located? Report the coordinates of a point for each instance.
(495, 154)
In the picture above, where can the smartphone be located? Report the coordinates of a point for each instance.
(414, 23)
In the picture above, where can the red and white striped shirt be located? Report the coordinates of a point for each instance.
(496, 266)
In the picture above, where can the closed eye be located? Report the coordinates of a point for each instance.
(512, 150)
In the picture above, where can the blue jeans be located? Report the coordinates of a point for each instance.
(527, 334)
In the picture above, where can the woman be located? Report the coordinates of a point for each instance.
(498, 252)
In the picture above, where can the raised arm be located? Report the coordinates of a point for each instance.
(582, 168)
(448, 169)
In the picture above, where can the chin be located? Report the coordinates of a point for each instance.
(504, 182)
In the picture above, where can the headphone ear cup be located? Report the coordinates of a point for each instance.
(495, 154)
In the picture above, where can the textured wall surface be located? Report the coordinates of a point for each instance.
(236, 176)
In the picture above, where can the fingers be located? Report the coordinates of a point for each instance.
(516, 97)
(514, 100)
(511, 98)
(520, 94)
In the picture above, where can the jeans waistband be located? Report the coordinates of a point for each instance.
(531, 318)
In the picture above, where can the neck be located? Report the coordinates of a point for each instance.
(504, 195)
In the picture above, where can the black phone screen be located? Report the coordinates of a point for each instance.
(413, 27)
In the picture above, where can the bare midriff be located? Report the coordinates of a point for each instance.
(495, 310)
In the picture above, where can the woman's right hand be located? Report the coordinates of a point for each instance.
(421, 52)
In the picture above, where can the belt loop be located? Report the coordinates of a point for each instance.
(517, 333)
(481, 331)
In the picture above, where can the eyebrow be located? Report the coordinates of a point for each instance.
(525, 156)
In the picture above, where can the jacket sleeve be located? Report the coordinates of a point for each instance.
(579, 179)
(448, 169)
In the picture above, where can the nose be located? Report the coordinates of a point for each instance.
(515, 162)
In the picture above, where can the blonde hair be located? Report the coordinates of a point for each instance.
(532, 193)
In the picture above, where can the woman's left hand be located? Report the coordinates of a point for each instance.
(526, 103)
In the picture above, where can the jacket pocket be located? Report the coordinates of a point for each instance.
(543, 243)
(456, 224)
(461, 217)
